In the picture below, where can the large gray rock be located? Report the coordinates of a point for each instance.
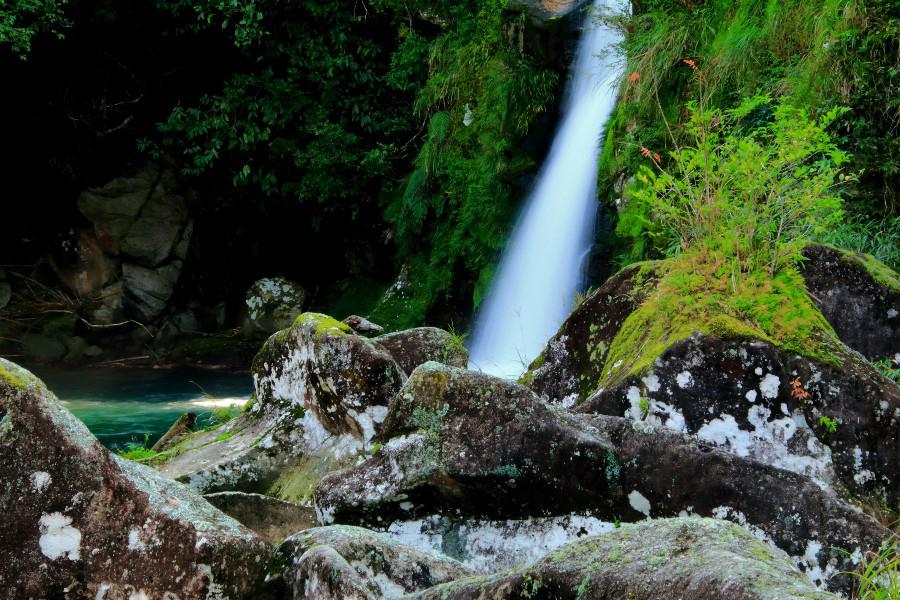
(273, 303)
(321, 393)
(859, 296)
(147, 291)
(663, 559)
(413, 347)
(79, 522)
(141, 232)
(343, 563)
(143, 217)
(463, 443)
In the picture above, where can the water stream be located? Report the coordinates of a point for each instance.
(122, 406)
(543, 264)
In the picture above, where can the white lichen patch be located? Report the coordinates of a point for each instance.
(39, 481)
(490, 546)
(58, 538)
(684, 379)
(639, 502)
(769, 386)
(135, 543)
(651, 380)
(750, 396)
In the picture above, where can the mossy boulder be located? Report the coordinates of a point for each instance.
(469, 445)
(859, 296)
(834, 423)
(413, 347)
(80, 522)
(274, 302)
(756, 369)
(319, 365)
(666, 559)
(340, 562)
(320, 394)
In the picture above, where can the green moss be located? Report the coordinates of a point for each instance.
(224, 436)
(877, 269)
(696, 295)
(15, 379)
(323, 324)
(138, 454)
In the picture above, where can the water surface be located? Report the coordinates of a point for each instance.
(123, 405)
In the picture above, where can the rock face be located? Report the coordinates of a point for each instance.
(321, 392)
(858, 296)
(833, 423)
(414, 347)
(82, 523)
(142, 229)
(272, 519)
(362, 326)
(463, 443)
(273, 303)
(665, 559)
(831, 420)
(339, 562)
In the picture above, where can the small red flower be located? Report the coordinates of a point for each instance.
(645, 152)
(635, 76)
(690, 63)
(656, 156)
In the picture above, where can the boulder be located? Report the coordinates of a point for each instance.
(413, 347)
(144, 217)
(321, 393)
(339, 562)
(362, 326)
(273, 303)
(319, 365)
(663, 559)
(141, 229)
(859, 296)
(146, 290)
(82, 266)
(464, 443)
(828, 415)
(271, 518)
(834, 423)
(568, 369)
(80, 522)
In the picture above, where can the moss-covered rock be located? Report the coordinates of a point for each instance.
(859, 296)
(320, 394)
(340, 562)
(834, 423)
(667, 559)
(413, 347)
(468, 445)
(274, 302)
(80, 522)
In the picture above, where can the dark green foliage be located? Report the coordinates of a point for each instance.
(21, 20)
(453, 215)
(822, 54)
(310, 113)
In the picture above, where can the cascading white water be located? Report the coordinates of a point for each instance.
(542, 265)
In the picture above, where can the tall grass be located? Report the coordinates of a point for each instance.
(879, 575)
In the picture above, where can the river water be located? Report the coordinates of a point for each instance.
(123, 405)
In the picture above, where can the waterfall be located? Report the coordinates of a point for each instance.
(543, 264)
